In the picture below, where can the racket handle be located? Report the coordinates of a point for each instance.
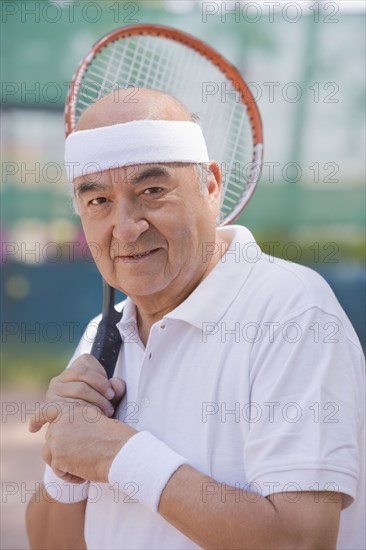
(106, 345)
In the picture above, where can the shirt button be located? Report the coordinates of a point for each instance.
(150, 355)
(145, 401)
(162, 327)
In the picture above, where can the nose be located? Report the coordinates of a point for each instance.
(128, 223)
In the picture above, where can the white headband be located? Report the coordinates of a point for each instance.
(136, 142)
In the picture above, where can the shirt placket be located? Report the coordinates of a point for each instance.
(149, 367)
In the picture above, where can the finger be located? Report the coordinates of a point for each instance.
(48, 412)
(85, 385)
(67, 477)
(119, 387)
(76, 370)
(84, 394)
(82, 373)
(90, 361)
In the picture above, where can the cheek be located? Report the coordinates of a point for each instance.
(96, 238)
(183, 240)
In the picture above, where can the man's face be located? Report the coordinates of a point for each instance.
(146, 226)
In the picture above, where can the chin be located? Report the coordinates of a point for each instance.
(144, 292)
(140, 288)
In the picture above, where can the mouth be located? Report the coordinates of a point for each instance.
(133, 258)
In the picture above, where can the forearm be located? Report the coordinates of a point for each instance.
(52, 525)
(215, 515)
(218, 519)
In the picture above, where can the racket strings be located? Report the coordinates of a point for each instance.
(169, 66)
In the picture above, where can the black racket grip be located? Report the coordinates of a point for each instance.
(106, 345)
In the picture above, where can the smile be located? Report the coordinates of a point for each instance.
(136, 257)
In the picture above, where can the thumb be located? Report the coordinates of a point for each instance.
(49, 412)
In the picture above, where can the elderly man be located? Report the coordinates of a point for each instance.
(241, 423)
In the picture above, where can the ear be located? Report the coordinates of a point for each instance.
(214, 187)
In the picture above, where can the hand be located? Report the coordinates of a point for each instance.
(81, 442)
(84, 382)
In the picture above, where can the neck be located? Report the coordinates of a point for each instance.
(150, 309)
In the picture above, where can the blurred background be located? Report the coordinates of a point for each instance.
(304, 62)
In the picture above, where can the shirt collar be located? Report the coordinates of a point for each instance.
(128, 318)
(213, 296)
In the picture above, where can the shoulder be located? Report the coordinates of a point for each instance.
(291, 283)
(277, 285)
(283, 290)
(293, 279)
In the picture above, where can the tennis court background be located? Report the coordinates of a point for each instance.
(306, 69)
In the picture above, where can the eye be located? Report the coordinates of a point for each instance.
(152, 190)
(97, 201)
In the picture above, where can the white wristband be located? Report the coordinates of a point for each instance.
(147, 462)
(64, 491)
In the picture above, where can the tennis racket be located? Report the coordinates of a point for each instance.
(166, 59)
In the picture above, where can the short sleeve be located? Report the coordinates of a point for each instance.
(307, 381)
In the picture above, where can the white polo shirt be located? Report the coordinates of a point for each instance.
(257, 379)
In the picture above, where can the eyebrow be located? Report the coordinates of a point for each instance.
(150, 172)
(87, 186)
(144, 174)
